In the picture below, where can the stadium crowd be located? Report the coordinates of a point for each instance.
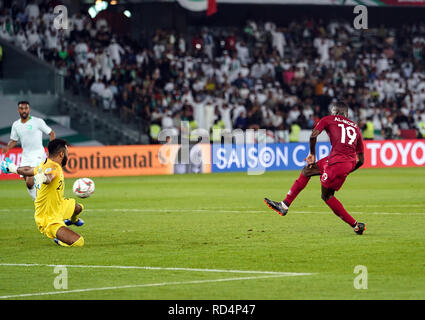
(258, 76)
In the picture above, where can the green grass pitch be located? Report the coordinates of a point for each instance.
(211, 237)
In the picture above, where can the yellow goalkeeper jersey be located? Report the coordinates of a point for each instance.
(49, 201)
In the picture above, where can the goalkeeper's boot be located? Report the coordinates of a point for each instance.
(359, 228)
(77, 223)
(280, 207)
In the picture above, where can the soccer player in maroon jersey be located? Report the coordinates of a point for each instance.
(347, 155)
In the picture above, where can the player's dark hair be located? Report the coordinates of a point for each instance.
(23, 102)
(339, 108)
(57, 145)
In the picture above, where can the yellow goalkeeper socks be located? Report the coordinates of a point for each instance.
(78, 243)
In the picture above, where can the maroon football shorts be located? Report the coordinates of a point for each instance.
(332, 176)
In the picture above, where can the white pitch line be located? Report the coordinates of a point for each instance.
(155, 268)
(141, 286)
(181, 210)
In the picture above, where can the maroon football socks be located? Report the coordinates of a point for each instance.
(339, 210)
(296, 188)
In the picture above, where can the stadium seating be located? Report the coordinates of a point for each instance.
(261, 75)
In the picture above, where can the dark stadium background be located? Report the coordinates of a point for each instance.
(60, 91)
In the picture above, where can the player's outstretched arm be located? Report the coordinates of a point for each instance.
(12, 144)
(360, 161)
(7, 166)
(311, 158)
(39, 177)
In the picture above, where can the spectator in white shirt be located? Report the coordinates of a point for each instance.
(182, 44)
(225, 112)
(188, 65)
(158, 50)
(52, 41)
(96, 90)
(268, 116)
(32, 10)
(116, 51)
(4, 34)
(169, 87)
(198, 112)
(323, 45)
(90, 70)
(382, 64)
(279, 41)
(81, 50)
(21, 40)
(261, 96)
(244, 91)
(293, 115)
(78, 22)
(243, 52)
(258, 69)
(187, 96)
(107, 65)
(422, 99)
(142, 57)
(167, 121)
(48, 17)
(107, 97)
(208, 44)
(33, 38)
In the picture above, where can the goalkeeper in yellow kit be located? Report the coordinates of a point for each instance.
(53, 213)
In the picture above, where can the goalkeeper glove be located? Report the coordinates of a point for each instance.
(7, 166)
(39, 179)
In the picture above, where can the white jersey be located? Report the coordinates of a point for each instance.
(30, 134)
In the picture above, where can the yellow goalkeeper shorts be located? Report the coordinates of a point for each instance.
(49, 223)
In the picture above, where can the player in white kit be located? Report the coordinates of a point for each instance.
(29, 131)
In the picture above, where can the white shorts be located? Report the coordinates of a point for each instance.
(32, 160)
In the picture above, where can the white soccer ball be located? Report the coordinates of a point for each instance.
(83, 187)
